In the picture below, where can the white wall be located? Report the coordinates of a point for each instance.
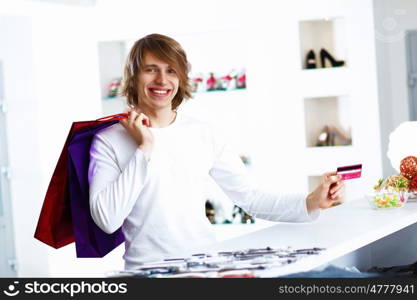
(392, 19)
(22, 134)
(50, 62)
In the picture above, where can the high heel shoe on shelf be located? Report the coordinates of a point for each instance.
(333, 136)
(324, 54)
(311, 60)
(324, 137)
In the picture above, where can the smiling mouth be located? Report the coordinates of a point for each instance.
(159, 92)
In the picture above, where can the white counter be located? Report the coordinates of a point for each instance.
(342, 230)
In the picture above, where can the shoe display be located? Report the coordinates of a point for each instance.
(333, 136)
(311, 60)
(211, 83)
(323, 139)
(340, 137)
(241, 80)
(325, 55)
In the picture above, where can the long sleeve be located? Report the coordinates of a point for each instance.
(231, 175)
(113, 191)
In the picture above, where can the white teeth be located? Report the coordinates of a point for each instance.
(159, 91)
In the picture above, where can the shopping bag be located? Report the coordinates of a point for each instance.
(90, 240)
(54, 226)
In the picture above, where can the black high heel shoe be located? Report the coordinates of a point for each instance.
(311, 60)
(326, 55)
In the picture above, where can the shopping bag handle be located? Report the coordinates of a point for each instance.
(114, 117)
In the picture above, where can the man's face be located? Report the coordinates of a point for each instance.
(158, 83)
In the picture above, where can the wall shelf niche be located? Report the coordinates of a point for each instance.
(112, 56)
(327, 35)
(327, 121)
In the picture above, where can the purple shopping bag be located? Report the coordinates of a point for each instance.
(90, 240)
(54, 226)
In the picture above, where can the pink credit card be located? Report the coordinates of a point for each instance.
(350, 172)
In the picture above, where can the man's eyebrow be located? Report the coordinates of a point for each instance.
(154, 65)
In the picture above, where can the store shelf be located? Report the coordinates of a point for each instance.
(325, 82)
(327, 118)
(328, 34)
(217, 92)
(330, 96)
(112, 106)
(113, 99)
(112, 55)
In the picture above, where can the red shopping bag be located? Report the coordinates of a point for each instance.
(55, 226)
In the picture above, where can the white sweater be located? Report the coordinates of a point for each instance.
(160, 204)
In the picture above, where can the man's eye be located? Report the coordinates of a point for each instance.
(171, 71)
(151, 70)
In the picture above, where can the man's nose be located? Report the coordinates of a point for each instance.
(161, 78)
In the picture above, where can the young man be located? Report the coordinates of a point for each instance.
(146, 172)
